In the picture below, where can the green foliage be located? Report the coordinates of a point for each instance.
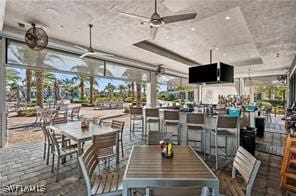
(171, 97)
(128, 99)
(144, 99)
(87, 105)
(126, 110)
(26, 113)
(80, 101)
(84, 98)
(274, 103)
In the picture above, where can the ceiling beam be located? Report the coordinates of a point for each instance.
(261, 73)
(2, 12)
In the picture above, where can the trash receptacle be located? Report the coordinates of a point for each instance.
(260, 126)
(247, 139)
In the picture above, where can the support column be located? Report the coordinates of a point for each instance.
(151, 90)
(200, 93)
(3, 130)
(195, 94)
(241, 89)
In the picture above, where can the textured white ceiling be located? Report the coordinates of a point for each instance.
(256, 29)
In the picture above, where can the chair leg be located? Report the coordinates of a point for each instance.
(47, 158)
(58, 169)
(203, 142)
(121, 141)
(159, 125)
(226, 144)
(216, 151)
(52, 163)
(44, 150)
(210, 145)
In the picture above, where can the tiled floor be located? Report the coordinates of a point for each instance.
(24, 164)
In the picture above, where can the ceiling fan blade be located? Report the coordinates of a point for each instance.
(153, 31)
(103, 53)
(81, 48)
(177, 18)
(85, 54)
(144, 18)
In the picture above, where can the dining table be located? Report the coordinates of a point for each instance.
(74, 131)
(147, 168)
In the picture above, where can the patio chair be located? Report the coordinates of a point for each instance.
(61, 152)
(195, 127)
(226, 126)
(62, 110)
(136, 116)
(119, 125)
(171, 118)
(248, 166)
(178, 191)
(151, 116)
(38, 111)
(59, 120)
(98, 184)
(106, 146)
(75, 113)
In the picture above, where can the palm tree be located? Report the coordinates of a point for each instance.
(68, 85)
(144, 86)
(110, 89)
(12, 76)
(122, 89)
(92, 68)
(80, 79)
(137, 76)
(40, 59)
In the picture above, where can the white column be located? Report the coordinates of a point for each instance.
(241, 87)
(195, 94)
(151, 90)
(3, 131)
(200, 93)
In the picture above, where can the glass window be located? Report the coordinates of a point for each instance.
(128, 73)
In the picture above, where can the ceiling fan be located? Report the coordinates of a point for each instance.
(90, 50)
(156, 21)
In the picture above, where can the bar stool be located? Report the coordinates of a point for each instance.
(136, 120)
(151, 116)
(195, 126)
(171, 118)
(224, 127)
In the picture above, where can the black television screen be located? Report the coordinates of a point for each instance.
(203, 74)
(226, 73)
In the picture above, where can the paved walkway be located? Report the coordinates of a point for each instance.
(23, 164)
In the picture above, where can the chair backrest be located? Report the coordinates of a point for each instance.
(195, 118)
(59, 120)
(106, 143)
(88, 163)
(177, 191)
(136, 110)
(171, 115)
(152, 112)
(118, 125)
(53, 139)
(45, 132)
(75, 110)
(247, 165)
(45, 115)
(155, 136)
(227, 122)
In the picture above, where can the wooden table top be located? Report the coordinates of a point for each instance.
(74, 130)
(146, 162)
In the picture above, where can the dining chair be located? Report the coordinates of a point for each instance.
(106, 145)
(247, 165)
(151, 116)
(172, 119)
(61, 152)
(59, 120)
(119, 125)
(62, 110)
(75, 113)
(178, 191)
(105, 184)
(136, 116)
(226, 126)
(195, 127)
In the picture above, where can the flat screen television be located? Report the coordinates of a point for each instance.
(211, 73)
(203, 74)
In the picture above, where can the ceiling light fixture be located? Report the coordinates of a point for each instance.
(227, 17)
(192, 29)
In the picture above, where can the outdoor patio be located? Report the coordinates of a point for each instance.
(23, 164)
